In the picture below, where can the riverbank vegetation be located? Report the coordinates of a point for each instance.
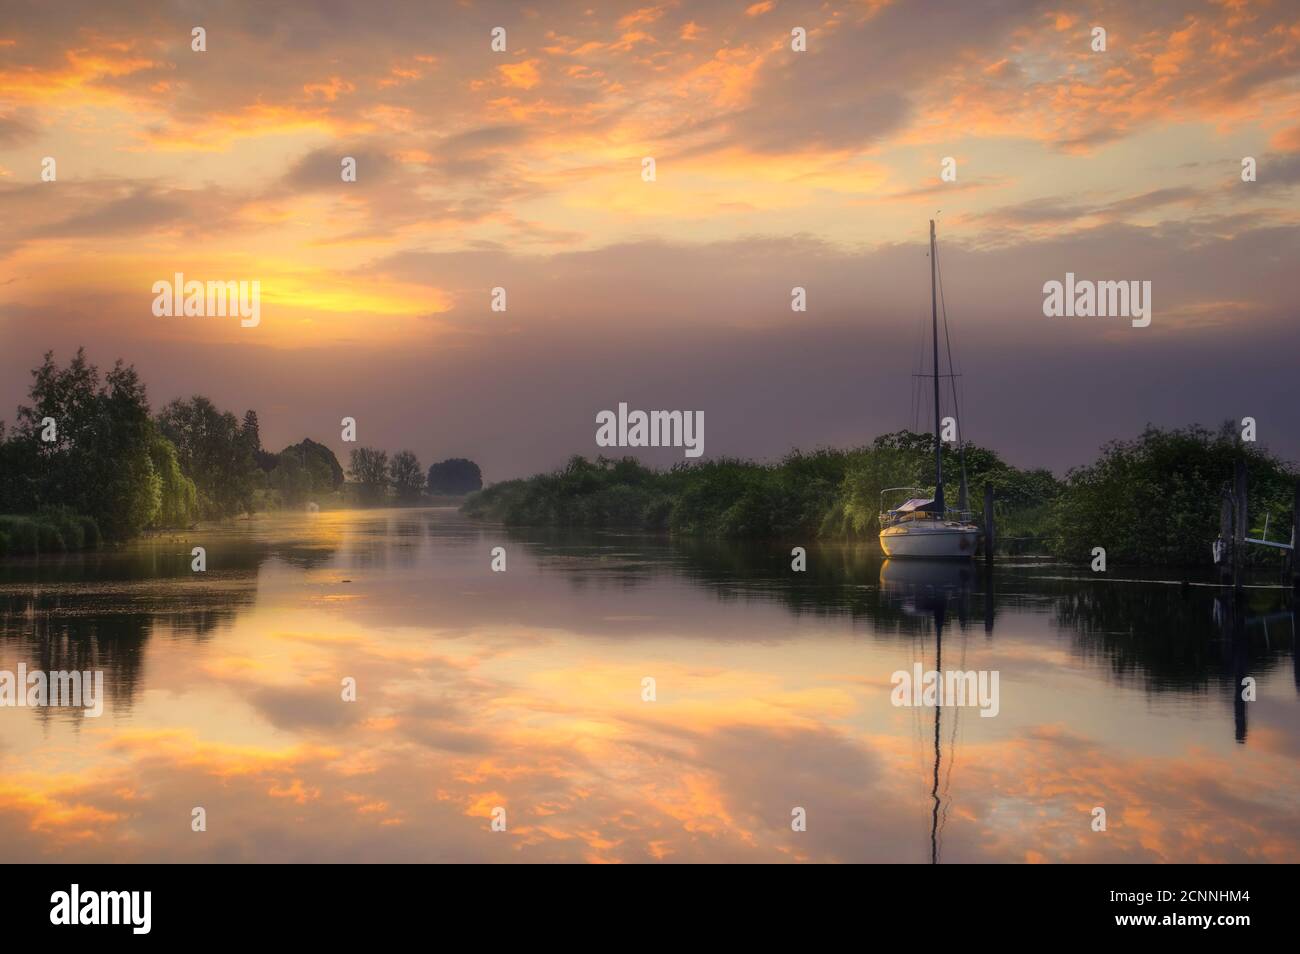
(85, 451)
(87, 461)
(825, 493)
(1151, 500)
(1156, 499)
(378, 480)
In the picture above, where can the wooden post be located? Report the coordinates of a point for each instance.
(988, 522)
(1226, 536)
(1292, 563)
(1239, 524)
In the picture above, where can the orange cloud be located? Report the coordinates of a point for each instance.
(523, 75)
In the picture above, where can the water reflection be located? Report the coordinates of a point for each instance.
(934, 590)
(523, 690)
(98, 610)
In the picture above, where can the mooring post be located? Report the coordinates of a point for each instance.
(1239, 523)
(1226, 535)
(1292, 563)
(988, 522)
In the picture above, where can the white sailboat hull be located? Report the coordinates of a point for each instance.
(931, 540)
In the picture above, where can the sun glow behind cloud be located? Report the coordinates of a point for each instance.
(225, 164)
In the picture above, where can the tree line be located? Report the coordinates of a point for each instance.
(1153, 500)
(402, 479)
(87, 460)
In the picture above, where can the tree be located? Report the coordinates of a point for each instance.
(327, 472)
(251, 434)
(369, 470)
(251, 431)
(407, 476)
(1155, 500)
(214, 452)
(304, 470)
(455, 476)
(98, 463)
(178, 499)
(291, 478)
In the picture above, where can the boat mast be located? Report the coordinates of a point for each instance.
(934, 327)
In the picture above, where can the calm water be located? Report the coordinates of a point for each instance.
(523, 691)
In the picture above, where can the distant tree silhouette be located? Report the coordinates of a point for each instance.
(369, 469)
(305, 469)
(250, 432)
(407, 476)
(455, 476)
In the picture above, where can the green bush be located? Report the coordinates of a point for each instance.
(91, 537)
(24, 537)
(52, 531)
(825, 493)
(68, 526)
(1155, 500)
(48, 538)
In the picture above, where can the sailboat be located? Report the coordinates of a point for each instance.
(924, 526)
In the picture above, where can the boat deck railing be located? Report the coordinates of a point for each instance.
(887, 517)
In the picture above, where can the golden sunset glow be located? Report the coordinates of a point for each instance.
(522, 169)
(130, 158)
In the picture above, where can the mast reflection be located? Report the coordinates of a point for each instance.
(937, 590)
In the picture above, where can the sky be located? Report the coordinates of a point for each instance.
(774, 168)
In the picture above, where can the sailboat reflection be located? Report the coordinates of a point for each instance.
(936, 590)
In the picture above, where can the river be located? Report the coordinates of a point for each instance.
(621, 697)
